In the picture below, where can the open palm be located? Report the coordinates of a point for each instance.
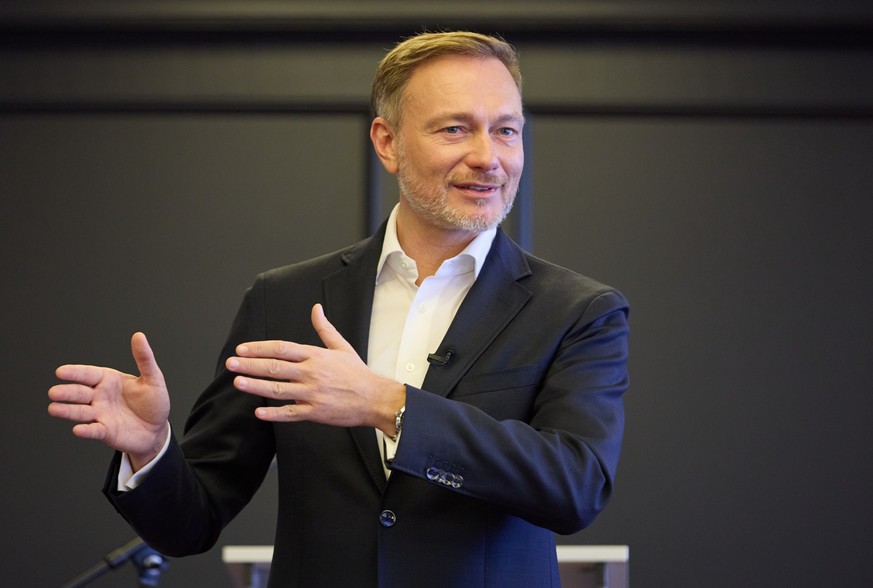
(128, 413)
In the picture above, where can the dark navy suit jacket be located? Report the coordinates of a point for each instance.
(516, 437)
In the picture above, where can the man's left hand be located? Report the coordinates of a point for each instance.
(329, 385)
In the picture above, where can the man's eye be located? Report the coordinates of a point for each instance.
(507, 132)
(452, 130)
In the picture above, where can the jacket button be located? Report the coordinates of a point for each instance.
(387, 518)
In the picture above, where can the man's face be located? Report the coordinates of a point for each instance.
(459, 147)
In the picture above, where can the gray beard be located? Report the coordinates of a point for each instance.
(433, 207)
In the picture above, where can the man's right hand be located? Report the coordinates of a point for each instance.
(126, 412)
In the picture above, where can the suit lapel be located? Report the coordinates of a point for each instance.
(348, 293)
(494, 300)
(348, 304)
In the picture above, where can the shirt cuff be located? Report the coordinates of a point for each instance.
(128, 479)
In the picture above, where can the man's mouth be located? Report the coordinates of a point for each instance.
(478, 187)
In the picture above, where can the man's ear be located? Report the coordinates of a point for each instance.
(385, 143)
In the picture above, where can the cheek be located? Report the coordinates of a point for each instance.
(511, 157)
(426, 163)
(514, 162)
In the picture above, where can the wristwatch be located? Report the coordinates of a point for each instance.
(398, 423)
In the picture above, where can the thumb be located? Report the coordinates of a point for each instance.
(145, 358)
(326, 331)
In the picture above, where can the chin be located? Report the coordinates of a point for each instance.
(473, 221)
(443, 212)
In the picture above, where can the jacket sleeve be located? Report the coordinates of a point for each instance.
(198, 486)
(555, 466)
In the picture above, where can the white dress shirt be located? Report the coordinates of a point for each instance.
(408, 322)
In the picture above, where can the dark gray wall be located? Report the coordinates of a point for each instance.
(711, 159)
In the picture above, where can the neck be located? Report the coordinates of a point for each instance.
(428, 245)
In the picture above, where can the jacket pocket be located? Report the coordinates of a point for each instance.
(509, 379)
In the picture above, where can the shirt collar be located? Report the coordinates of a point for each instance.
(476, 251)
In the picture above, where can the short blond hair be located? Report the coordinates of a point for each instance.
(397, 66)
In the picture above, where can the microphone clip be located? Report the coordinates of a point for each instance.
(440, 360)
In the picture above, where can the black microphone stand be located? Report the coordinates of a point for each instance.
(148, 562)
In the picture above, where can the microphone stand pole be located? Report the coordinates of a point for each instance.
(149, 562)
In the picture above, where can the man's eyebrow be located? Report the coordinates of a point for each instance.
(463, 117)
(516, 118)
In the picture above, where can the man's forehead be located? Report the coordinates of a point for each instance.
(444, 82)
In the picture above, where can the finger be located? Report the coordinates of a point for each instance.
(273, 349)
(263, 367)
(283, 414)
(326, 331)
(71, 393)
(145, 358)
(90, 431)
(81, 413)
(89, 375)
(274, 389)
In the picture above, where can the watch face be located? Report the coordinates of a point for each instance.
(398, 422)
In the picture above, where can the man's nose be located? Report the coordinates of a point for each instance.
(482, 153)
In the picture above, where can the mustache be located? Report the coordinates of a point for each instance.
(483, 178)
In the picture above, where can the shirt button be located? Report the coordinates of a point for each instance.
(410, 367)
(422, 308)
(387, 518)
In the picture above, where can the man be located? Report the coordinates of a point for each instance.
(439, 401)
